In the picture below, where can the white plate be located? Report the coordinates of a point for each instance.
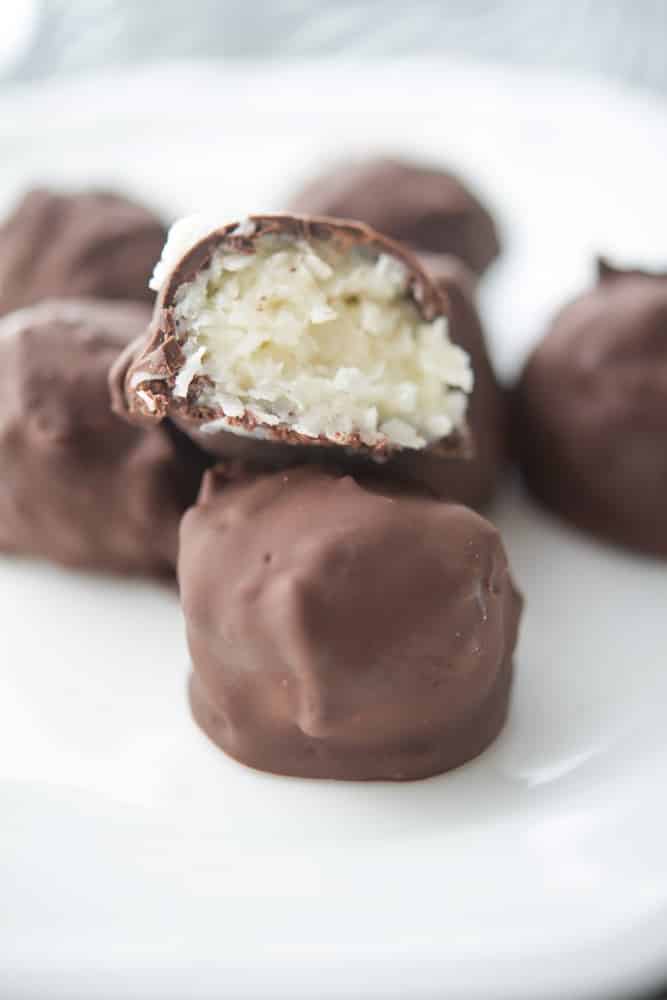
(136, 859)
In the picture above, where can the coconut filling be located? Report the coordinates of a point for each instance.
(324, 342)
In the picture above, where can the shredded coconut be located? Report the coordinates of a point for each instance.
(325, 342)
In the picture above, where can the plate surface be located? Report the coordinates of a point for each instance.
(135, 858)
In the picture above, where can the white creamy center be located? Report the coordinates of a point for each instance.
(323, 342)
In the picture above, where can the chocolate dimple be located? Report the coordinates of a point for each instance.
(92, 244)
(304, 665)
(590, 411)
(427, 208)
(79, 486)
(151, 366)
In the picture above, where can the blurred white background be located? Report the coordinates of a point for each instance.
(620, 39)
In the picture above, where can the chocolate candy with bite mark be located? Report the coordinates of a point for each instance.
(148, 381)
(590, 412)
(303, 665)
(79, 486)
(431, 210)
(92, 244)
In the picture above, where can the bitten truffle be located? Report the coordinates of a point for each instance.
(283, 338)
(429, 209)
(91, 244)
(340, 632)
(78, 485)
(590, 413)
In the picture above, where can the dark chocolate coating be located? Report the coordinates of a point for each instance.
(93, 244)
(78, 485)
(143, 378)
(590, 412)
(429, 209)
(340, 632)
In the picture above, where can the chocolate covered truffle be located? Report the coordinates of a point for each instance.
(340, 632)
(591, 412)
(431, 210)
(282, 338)
(91, 244)
(80, 486)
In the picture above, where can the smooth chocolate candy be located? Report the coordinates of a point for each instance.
(338, 629)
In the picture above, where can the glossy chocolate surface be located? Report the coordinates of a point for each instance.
(590, 413)
(91, 244)
(79, 486)
(344, 630)
(431, 210)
